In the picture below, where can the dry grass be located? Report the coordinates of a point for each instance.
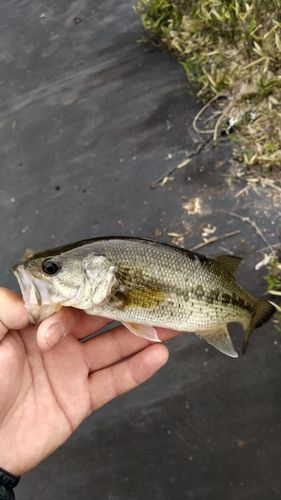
(231, 52)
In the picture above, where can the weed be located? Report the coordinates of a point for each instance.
(231, 47)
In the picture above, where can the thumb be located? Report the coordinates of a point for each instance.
(56, 327)
(13, 314)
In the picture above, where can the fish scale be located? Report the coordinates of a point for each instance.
(143, 284)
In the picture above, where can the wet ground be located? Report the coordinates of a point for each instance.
(91, 121)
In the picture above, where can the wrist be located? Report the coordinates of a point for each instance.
(11, 468)
(8, 482)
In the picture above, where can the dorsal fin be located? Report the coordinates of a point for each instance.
(228, 262)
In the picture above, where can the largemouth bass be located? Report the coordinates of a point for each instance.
(143, 283)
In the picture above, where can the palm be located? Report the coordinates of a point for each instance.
(45, 394)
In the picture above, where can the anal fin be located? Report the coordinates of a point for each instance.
(145, 331)
(220, 339)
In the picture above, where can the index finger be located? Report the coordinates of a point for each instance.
(13, 314)
(116, 345)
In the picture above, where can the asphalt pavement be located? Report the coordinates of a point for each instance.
(93, 127)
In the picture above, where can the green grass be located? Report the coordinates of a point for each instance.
(274, 286)
(274, 277)
(232, 49)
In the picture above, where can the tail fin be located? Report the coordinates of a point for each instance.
(264, 311)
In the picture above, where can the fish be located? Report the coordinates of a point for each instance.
(143, 284)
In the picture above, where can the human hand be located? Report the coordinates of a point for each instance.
(46, 391)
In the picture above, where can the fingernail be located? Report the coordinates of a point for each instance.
(55, 334)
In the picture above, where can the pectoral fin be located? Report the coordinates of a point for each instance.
(219, 338)
(145, 331)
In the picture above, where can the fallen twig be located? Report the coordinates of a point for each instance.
(265, 261)
(159, 182)
(194, 123)
(271, 184)
(215, 238)
(243, 190)
(276, 245)
(226, 250)
(221, 117)
(254, 225)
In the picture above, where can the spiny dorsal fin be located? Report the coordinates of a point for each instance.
(228, 262)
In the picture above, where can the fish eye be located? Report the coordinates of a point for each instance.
(51, 267)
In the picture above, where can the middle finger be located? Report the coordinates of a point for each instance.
(116, 345)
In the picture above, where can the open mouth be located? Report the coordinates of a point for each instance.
(34, 292)
(25, 284)
(35, 295)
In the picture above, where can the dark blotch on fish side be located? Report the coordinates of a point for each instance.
(236, 301)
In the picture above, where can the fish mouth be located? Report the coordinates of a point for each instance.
(25, 283)
(34, 292)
